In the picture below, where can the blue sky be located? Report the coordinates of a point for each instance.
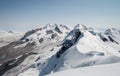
(28, 14)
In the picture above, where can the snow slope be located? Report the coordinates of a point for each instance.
(99, 70)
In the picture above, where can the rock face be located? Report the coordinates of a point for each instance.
(110, 35)
(30, 33)
(53, 35)
(102, 37)
(10, 52)
(41, 40)
(13, 63)
(58, 30)
(49, 31)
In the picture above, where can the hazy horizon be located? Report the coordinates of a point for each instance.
(21, 15)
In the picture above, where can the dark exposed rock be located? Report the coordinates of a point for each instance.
(68, 43)
(9, 51)
(11, 32)
(38, 34)
(111, 32)
(64, 26)
(112, 40)
(49, 31)
(102, 37)
(53, 35)
(108, 31)
(37, 59)
(58, 30)
(30, 33)
(52, 49)
(26, 40)
(13, 63)
(41, 40)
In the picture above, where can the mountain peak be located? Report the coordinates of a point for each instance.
(112, 31)
(81, 27)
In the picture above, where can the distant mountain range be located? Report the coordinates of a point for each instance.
(55, 48)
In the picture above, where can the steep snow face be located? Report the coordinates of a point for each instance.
(8, 37)
(92, 42)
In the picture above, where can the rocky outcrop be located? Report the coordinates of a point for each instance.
(9, 51)
(58, 30)
(53, 35)
(13, 63)
(75, 34)
(41, 40)
(30, 33)
(49, 31)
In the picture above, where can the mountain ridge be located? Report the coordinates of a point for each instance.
(55, 48)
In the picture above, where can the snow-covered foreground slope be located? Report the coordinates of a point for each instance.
(99, 70)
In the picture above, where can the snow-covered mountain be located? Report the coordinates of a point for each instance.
(8, 37)
(45, 34)
(32, 43)
(55, 48)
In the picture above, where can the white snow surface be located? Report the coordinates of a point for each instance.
(99, 70)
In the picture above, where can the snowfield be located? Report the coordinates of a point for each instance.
(99, 70)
